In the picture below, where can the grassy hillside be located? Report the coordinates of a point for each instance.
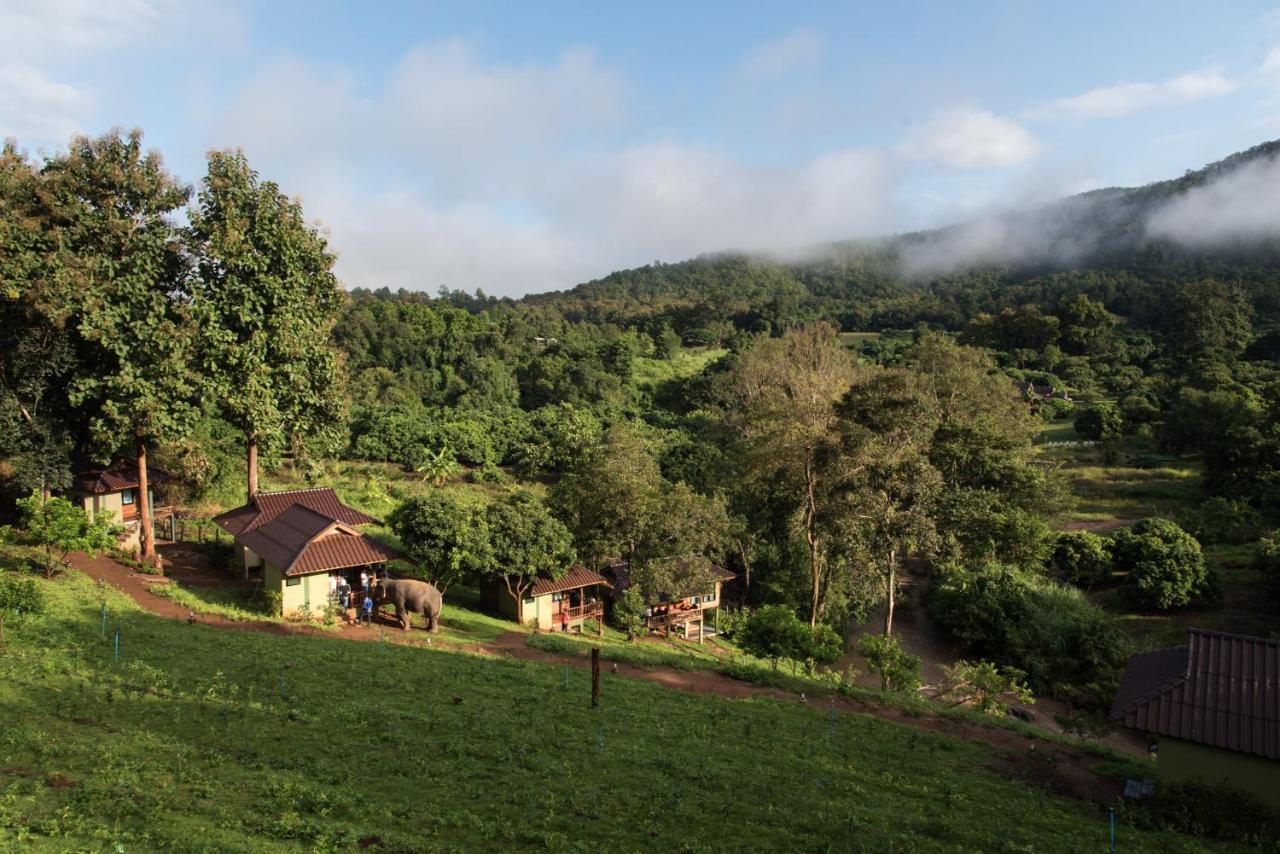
(201, 739)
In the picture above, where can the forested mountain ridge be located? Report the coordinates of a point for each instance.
(1121, 245)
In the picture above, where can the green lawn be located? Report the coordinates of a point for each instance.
(1134, 488)
(203, 739)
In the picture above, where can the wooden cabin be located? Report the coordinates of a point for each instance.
(686, 615)
(112, 493)
(296, 540)
(552, 606)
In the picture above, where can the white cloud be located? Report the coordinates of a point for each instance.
(456, 120)
(971, 139)
(470, 173)
(798, 49)
(35, 108)
(1127, 98)
(52, 55)
(661, 200)
(1241, 207)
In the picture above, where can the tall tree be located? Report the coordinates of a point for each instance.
(883, 482)
(110, 207)
(266, 301)
(611, 498)
(780, 397)
(525, 543)
(36, 353)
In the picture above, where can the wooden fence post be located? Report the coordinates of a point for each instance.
(595, 676)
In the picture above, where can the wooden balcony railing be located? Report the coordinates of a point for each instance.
(585, 612)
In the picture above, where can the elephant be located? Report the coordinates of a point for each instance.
(410, 596)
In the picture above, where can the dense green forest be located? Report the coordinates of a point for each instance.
(719, 407)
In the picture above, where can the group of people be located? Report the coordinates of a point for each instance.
(342, 595)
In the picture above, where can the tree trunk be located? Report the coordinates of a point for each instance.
(146, 538)
(892, 580)
(253, 465)
(810, 514)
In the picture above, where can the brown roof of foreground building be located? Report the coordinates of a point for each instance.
(266, 506)
(121, 474)
(301, 541)
(1220, 689)
(577, 576)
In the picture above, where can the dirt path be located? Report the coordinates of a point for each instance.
(1061, 769)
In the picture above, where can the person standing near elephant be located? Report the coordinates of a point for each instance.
(368, 609)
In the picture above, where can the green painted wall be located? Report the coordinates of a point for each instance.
(1185, 760)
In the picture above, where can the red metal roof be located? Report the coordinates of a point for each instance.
(301, 541)
(121, 474)
(266, 506)
(304, 531)
(577, 576)
(1221, 690)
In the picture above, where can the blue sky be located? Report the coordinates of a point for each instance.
(520, 147)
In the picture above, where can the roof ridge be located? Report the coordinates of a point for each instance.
(1234, 636)
(311, 539)
(295, 491)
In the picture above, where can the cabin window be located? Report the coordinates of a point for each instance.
(292, 582)
(556, 597)
(710, 597)
(126, 497)
(694, 600)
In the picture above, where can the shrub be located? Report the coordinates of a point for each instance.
(1081, 558)
(628, 612)
(1066, 645)
(59, 527)
(1213, 810)
(1101, 422)
(1055, 409)
(1267, 562)
(983, 686)
(20, 593)
(773, 632)
(898, 669)
(1166, 568)
(1223, 520)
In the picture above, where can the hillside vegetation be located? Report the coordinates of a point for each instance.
(199, 739)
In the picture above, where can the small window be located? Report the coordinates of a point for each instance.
(556, 597)
(292, 582)
(126, 497)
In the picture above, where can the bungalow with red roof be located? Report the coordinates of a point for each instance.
(565, 603)
(684, 613)
(298, 539)
(112, 493)
(1211, 709)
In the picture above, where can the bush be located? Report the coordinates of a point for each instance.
(898, 669)
(1223, 520)
(776, 633)
(1267, 562)
(20, 593)
(1067, 646)
(1081, 558)
(1215, 811)
(1101, 422)
(1055, 409)
(627, 614)
(983, 687)
(1166, 568)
